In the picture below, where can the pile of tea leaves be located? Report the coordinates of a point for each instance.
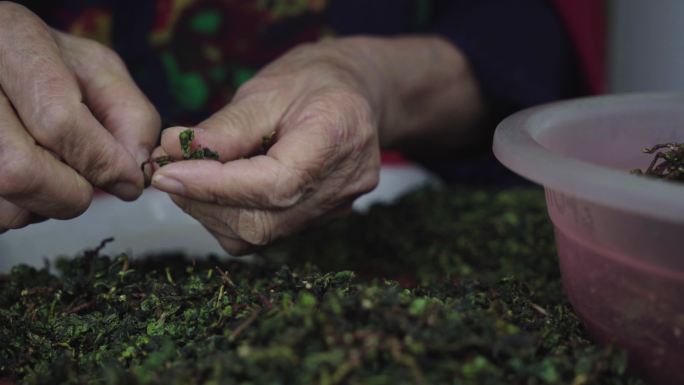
(667, 162)
(449, 286)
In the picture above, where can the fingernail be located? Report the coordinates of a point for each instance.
(125, 190)
(168, 185)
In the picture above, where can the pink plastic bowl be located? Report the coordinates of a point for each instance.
(620, 237)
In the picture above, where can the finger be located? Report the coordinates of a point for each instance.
(236, 131)
(13, 216)
(112, 95)
(151, 165)
(258, 182)
(34, 179)
(208, 215)
(220, 221)
(234, 247)
(47, 97)
(209, 219)
(256, 227)
(158, 153)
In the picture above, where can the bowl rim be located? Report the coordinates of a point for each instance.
(516, 147)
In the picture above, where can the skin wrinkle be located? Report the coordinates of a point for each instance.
(14, 171)
(19, 218)
(18, 179)
(101, 170)
(260, 90)
(49, 91)
(11, 211)
(25, 164)
(81, 55)
(218, 228)
(79, 199)
(254, 226)
(324, 114)
(285, 191)
(363, 56)
(255, 229)
(103, 167)
(319, 158)
(286, 183)
(237, 142)
(29, 56)
(250, 227)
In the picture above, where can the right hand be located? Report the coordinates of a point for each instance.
(71, 118)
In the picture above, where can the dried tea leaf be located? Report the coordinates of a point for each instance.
(186, 138)
(667, 163)
(452, 286)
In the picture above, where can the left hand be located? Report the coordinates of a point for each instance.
(324, 155)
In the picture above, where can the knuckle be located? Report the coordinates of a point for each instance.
(351, 105)
(341, 114)
(100, 166)
(254, 227)
(254, 86)
(56, 120)
(235, 120)
(11, 9)
(22, 181)
(100, 53)
(289, 189)
(282, 199)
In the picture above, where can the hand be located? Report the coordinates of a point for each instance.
(325, 152)
(71, 118)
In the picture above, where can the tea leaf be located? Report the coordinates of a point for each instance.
(452, 286)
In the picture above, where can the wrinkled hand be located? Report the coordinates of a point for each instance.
(325, 153)
(71, 118)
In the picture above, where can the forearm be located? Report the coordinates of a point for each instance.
(421, 88)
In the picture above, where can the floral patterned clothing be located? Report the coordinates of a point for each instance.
(189, 56)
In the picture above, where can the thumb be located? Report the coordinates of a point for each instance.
(238, 130)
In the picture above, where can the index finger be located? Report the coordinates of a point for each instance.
(112, 95)
(258, 182)
(32, 178)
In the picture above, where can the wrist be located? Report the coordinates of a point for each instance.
(420, 88)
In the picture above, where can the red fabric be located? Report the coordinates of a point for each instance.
(585, 20)
(393, 158)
